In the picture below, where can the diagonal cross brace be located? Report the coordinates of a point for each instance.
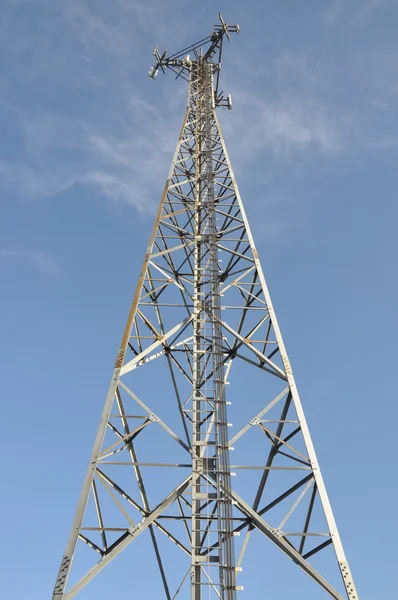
(140, 357)
(278, 539)
(131, 535)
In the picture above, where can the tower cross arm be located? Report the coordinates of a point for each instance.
(210, 48)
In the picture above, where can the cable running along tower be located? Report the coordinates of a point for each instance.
(162, 467)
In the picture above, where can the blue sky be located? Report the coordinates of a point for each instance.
(86, 143)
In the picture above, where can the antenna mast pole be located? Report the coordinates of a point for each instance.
(210, 454)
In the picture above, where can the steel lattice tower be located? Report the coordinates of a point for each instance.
(201, 307)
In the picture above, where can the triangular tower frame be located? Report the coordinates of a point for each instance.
(202, 305)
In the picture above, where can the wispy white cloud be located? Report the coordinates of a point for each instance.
(112, 26)
(331, 14)
(32, 182)
(312, 108)
(43, 262)
(124, 163)
(107, 137)
(284, 128)
(353, 13)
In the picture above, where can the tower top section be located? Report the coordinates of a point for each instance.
(209, 49)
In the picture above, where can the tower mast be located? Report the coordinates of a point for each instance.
(210, 454)
(201, 306)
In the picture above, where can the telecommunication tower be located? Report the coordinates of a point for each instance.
(162, 461)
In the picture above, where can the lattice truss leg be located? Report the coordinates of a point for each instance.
(201, 318)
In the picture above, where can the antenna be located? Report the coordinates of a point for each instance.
(209, 48)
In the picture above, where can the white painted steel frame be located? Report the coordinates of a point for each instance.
(199, 347)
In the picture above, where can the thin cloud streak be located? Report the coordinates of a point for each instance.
(43, 262)
(105, 137)
(308, 111)
(125, 164)
(353, 14)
